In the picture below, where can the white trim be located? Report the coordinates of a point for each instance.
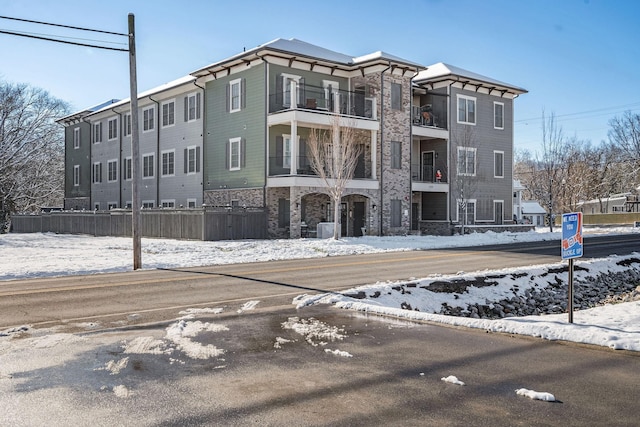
(76, 175)
(112, 131)
(95, 179)
(151, 118)
(495, 104)
(162, 153)
(494, 210)
(153, 163)
(76, 138)
(126, 126)
(467, 201)
(475, 161)
(109, 162)
(97, 132)
(233, 83)
(171, 202)
(494, 164)
(194, 96)
(171, 117)
(232, 142)
(128, 160)
(151, 203)
(286, 89)
(190, 201)
(112, 205)
(466, 108)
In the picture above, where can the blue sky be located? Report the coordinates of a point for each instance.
(579, 59)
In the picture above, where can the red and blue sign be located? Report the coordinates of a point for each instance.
(572, 245)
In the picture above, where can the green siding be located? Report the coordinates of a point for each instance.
(78, 156)
(249, 124)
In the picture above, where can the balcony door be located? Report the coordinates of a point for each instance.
(331, 94)
(428, 166)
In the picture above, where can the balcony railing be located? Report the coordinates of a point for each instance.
(430, 110)
(281, 166)
(427, 173)
(322, 100)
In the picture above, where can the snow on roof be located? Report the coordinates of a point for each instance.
(442, 71)
(82, 113)
(517, 185)
(298, 47)
(532, 208)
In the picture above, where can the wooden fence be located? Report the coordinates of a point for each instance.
(193, 224)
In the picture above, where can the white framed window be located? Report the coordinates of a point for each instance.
(466, 109)
(287, 79)
(112, 205)
(235, 95)
(148, 123)
(127, 171)
(191, 203)
(192, 107)
(234, 154)
(148, 204)
(168, 203)
(191, 160)
(498, 115)
(96, 175)
(112, 170)
(113, 128)
(168, 113)
(96, 206)
(148, 163)
(286, 151)
(76, 138)
(127, 124)
(169, 163)
(498, 164)
(466, 161)
(76, 175)
(466, 211)
(97, 133)
(128, 204)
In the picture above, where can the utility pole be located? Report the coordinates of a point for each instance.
(136, 223)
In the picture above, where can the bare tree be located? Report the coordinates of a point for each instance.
(31, 150)
(624, 132)
(466, 176)
(333, 156)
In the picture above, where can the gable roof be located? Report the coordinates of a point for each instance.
(441, 72)
(78, 115)
(532, 208)
(294, 49)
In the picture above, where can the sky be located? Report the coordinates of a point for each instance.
(577, 58)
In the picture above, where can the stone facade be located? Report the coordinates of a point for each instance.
(246, 197)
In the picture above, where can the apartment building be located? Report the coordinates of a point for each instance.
(437, 147)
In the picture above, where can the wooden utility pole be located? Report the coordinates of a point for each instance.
(136, 223)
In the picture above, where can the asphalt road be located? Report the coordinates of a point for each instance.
(393, 376)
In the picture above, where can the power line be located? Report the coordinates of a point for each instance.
(63, 41)
(67, 37)
(63, 26)
(599, 110)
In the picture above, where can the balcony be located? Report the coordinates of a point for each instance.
(323, 100)
(427, 178)
(281, 166)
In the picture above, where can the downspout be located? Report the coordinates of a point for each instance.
(411, 152)
(85, 120)
(204, 115)
(120, 165)
(381, 209)
(158, 156)
(266, 134)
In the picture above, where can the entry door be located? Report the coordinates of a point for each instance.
(499, 209)
(428, 158)
(358, 218)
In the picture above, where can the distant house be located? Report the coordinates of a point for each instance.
(234, 133)
(533, 213)
(616, 203)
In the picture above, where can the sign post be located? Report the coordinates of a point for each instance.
(572, 247)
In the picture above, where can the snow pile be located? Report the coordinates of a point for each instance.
(547, 397)
(314, 331)
(452, 379)
(338, 352)
(182, 332)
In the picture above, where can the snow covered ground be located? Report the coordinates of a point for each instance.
(39, 255)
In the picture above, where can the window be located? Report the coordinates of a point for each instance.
(396, 155)
(97, 132)
(168, 163)
(127, 125)
(234, 154)
(168, 113)
(466, 109)
(112, 170)
(191, 203)
(113, 128)
(147, 119)
(284, 216)
(148, 161)
(96, 206)
(396, 96)
(331, 94)
(235, 94)
(466, 161)
(498, 115)
(127, 172)
(191, 160)
(168, 203)
(396, 213)
(498, 164)
(287, 79)
(192, 107)
(76, 138)
(112, 205)
(467, 211)
(76, 175)
(286, 151)
(148, 204)
(96, 176)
